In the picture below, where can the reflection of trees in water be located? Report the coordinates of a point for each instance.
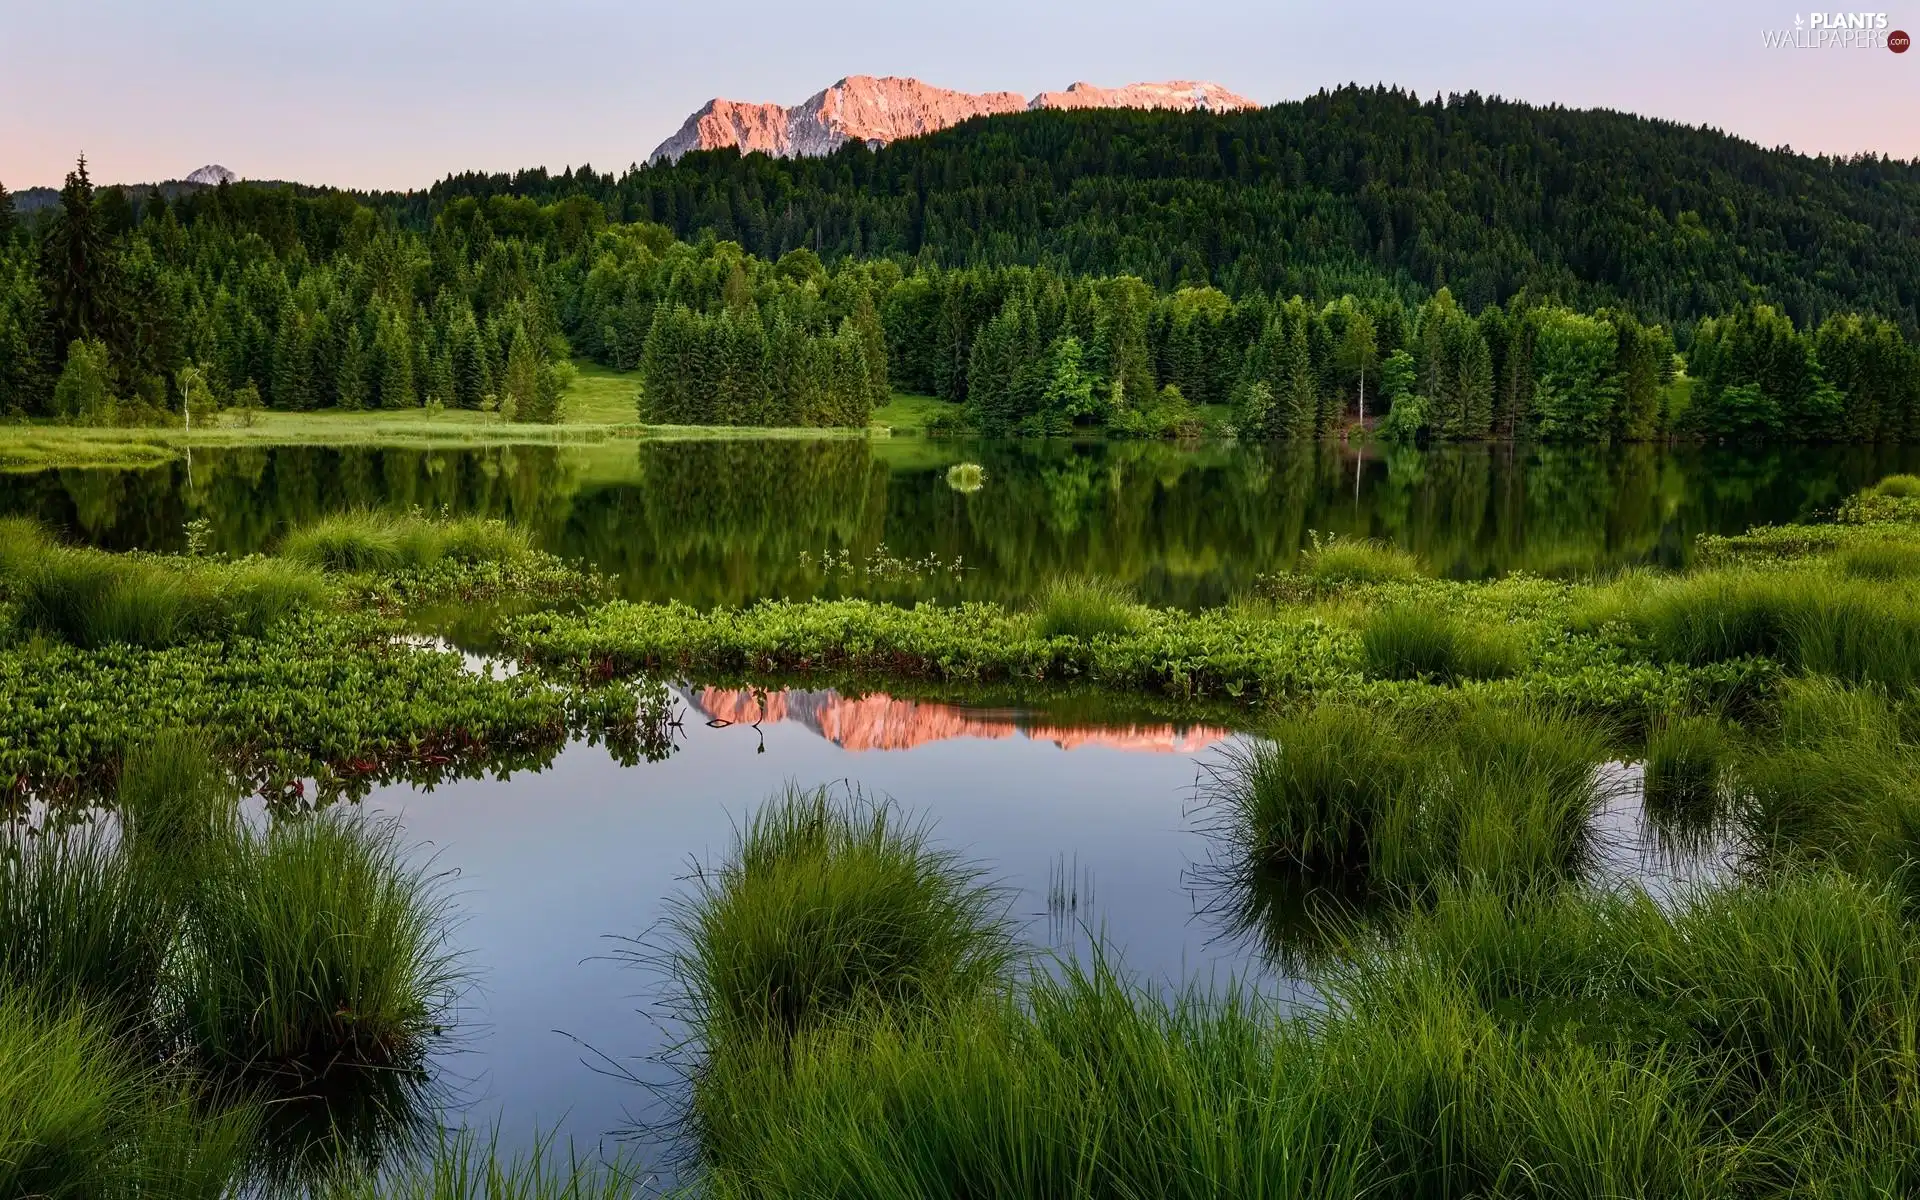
(728, 521)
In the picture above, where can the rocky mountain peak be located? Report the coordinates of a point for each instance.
(879, 109)
(212, 175)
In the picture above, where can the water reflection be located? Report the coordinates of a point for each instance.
(877, 721)
(729, 522)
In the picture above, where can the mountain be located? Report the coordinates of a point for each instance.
(35, 199)
(1370, 190)
(880, 110)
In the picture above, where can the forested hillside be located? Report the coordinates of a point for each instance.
(1370, 191)
(1465, 271)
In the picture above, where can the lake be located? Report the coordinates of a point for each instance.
(562, 876)
(728, 522)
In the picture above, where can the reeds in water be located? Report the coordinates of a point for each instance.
(92, 599)
(829, 904)
(314, 948)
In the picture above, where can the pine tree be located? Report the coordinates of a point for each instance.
(350, 378)
(8, 221)
(77, 268)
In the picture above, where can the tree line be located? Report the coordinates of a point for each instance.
(1361, 190)
(119, 308)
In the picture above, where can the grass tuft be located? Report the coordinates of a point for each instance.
(1411, 642)
(368, 541)
(1339, 560)
(1087, 608)
(93, 599)
(1880, 561)
(827, 905)
(1686, 777)
(77, 919)
(314, 948)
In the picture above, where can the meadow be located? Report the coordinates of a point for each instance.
(200, 996)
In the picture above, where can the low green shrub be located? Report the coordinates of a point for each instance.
(1086, 609)
(828, 905)
(1412, 642)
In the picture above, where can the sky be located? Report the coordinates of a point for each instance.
(397, 94)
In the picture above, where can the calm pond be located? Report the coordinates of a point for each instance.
(1092, 826)
(733, 521)
(1095, 830)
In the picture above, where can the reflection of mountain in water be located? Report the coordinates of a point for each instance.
(881, 722)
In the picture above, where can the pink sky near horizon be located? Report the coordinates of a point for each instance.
(381, 95)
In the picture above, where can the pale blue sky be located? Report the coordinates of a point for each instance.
(390, 94)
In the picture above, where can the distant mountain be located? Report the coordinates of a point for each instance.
(35, 199)
(880, 110)
(212, 175)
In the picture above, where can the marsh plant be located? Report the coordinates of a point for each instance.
(92, 599)
(368, 541)
(313, 947)
(161, 973)
(1500, 795)
(1085, 608)
(1334, 559)
(830, 903)
(1420, 642)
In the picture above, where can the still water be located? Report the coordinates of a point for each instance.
(562, 875)
(734, 521)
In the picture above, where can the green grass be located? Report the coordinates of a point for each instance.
(460, 1167)
(92, 599)
(1901, 487)
(1806, 620)
(905, 413)
(1495, 794)
(375, 541)
(1755, 1041)
(77, 919)
(1411, 642)
(827, 905)
(314, 949)
(1343, 560)
(81, 1119)
(1687, 772)
(1085, 609)
(1882, 561)
(600, 396)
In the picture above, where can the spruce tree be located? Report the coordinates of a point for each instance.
(8, 221)
(76, 266)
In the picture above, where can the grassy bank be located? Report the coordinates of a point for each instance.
(1755, 1041)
